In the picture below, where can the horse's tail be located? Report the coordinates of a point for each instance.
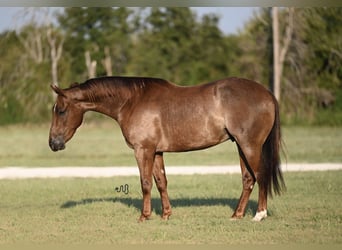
(272, 174)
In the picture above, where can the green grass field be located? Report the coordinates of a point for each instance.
(90, 211)
(101, 144)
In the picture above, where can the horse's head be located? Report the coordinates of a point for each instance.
(67, 116)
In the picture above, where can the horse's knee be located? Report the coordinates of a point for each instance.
(146, 185)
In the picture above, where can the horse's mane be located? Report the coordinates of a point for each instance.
(115, 86)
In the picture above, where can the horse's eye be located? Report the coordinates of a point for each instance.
(61, 112)
(58, 111)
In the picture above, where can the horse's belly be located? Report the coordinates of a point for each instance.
(189, 139)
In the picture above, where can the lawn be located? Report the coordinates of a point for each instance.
(102, 144)
(91, 211)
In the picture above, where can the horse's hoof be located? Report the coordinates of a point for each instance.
(259, 216)
(235, 218)
(143, 218)
(165, 217)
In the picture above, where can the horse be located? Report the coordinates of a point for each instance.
(157, 116)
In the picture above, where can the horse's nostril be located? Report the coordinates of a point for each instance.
(56, 144)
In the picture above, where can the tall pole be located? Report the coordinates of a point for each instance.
(276, 66)
(270, 52)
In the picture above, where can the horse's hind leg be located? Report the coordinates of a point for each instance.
(262, 203)
(161, 182)
(250, 160)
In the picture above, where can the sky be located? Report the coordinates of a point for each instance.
(232, 19)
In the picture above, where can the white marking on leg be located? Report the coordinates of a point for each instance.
(260, 215)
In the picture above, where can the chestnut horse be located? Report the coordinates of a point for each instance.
(157, 116)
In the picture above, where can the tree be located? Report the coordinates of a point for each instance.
(56, 47)
(173, 44)
(254, 48)
(279, 52)
(11, 54)
(42, 31)
(309, 55)
(96, 36)
(211, 53)
(313, 70)
(32, 54)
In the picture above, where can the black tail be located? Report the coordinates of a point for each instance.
(272, 174)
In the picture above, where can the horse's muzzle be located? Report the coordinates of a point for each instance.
(57, 143)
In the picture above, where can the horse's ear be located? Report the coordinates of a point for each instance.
(57, 90)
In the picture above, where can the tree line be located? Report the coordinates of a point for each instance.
(174, 44)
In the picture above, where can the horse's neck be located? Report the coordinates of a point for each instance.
(108, 105)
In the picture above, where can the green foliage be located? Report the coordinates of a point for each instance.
(177, 45)
(331, 116)
(94, 29)
(313, 76)
(325, 49)
(311, 80)
(254, 45)
(10, 108)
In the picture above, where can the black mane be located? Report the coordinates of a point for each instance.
(115, 86)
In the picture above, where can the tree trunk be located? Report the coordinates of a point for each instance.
(107, 62)
(91, 65)
(33, 45)
(55, 53)
(279, 52)
(276, 66)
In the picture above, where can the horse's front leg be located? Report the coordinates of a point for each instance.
(145, 157)
(161, 181)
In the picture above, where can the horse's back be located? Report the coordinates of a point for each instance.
(241, 88)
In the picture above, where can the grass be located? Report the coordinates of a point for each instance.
(102, 144)
(90, 211)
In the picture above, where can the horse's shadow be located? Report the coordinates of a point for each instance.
(156, 203)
